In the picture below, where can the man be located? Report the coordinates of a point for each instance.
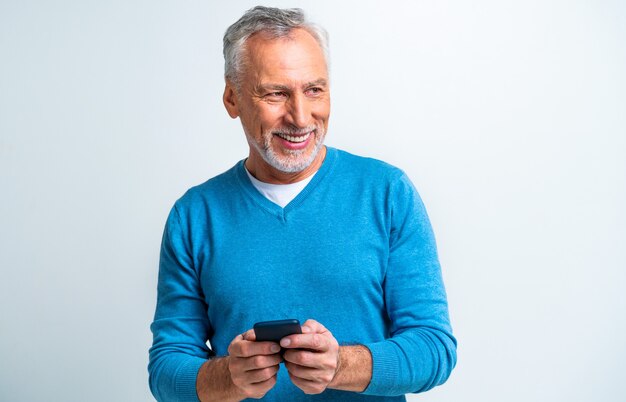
(297, 230)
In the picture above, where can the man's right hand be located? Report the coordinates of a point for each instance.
(253, 365)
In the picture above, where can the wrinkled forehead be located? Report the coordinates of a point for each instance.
(293, 54)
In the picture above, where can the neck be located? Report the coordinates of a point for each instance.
(268, 174)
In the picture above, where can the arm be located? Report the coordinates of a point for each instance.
(355, 369)
(214, 382)
(181, 366)
(180, 327)
(421, 350)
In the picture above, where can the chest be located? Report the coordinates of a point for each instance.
(295, 268)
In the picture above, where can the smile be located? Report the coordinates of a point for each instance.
(296, 139)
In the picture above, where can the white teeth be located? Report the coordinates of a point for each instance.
(300, 138)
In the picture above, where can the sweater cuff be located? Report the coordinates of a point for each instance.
(385, 368)
(186, 379)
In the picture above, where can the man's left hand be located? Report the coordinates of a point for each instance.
(312, 358)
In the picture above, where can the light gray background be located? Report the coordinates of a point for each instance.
(510, 117)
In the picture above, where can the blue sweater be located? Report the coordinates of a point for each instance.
(354, 251)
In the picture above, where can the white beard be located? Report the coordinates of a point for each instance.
(294, 161)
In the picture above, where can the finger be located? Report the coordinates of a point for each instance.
(261, 375)
(249, 335)
(302, 357)
(242, 366)
(313, 326)
(310, 374)
(260, 362)
(312, 341)
(309, 387)
(243, 348)
(234, 343)
(314, 360)
(259, 389)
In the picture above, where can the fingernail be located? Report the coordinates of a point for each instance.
(285, 342)
(275, 348)
(306, 329)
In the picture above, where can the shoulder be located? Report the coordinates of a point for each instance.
(218, 189)
(367, 168)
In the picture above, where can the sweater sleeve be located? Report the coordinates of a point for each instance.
(180, 327)
(420, 352)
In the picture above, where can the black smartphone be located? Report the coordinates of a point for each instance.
(274, 331)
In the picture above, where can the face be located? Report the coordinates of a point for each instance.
(283, 104)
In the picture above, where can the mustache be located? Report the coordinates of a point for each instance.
(294, 131)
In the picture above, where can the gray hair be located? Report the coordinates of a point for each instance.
(277, 23)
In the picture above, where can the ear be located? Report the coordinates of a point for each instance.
(230, 100)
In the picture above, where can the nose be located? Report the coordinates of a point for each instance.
(299, 111)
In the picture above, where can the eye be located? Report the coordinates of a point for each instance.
(278, 95)
(314, 91)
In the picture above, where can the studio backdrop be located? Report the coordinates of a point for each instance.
(509, 117)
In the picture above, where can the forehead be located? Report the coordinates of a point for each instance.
(296, 58)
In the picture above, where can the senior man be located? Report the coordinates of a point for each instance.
(296, 230)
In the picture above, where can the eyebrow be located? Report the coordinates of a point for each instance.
(280, 87)
(321, 82)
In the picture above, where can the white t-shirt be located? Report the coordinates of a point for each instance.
(280, 194)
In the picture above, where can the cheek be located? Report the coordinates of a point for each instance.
(271, 116)
(321, 111)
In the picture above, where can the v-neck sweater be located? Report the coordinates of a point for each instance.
(354, 251)
(279, 194)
